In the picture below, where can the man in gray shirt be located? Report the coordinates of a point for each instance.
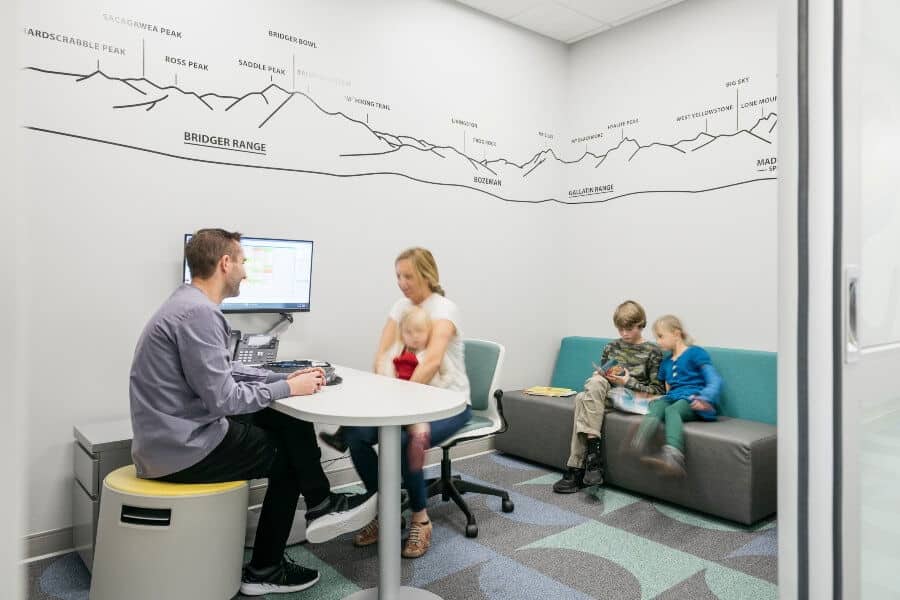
(200, 418)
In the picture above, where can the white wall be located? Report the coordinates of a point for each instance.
(11, 443)
(708, 257)
(105, 222)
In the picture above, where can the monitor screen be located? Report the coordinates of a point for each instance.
(279, 274)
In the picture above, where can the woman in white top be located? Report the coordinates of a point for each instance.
(417, 277)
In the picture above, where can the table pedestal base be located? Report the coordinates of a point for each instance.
(404, 593)
(389, 587)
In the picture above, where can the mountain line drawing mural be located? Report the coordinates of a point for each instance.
(289, 131)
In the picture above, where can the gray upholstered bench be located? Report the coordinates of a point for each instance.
(731, 462)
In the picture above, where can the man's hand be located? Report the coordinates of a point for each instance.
(307, 370)
(698, 403)
(306, 381)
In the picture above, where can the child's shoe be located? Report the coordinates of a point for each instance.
(668, 462)
(593, 469)
(335, 440)
(572, 481)
(416, 446)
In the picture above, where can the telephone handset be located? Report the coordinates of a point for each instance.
(255, 348)
(233, 340)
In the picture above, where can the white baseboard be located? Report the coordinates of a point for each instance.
(53, 541)
(340, 472)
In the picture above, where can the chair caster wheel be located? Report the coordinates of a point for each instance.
(471, 531)
(507, 506)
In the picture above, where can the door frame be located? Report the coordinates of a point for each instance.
(810, 314)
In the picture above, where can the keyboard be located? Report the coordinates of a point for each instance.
(289, 366)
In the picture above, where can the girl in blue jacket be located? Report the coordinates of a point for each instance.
(692, 393)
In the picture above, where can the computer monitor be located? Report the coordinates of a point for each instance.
(279, 275)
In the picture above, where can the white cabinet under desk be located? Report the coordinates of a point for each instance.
(98, 449)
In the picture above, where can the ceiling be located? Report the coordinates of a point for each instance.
(569, 20)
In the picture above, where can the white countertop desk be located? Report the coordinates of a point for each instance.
(366, 399)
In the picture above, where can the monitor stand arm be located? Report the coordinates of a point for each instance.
(285, 318)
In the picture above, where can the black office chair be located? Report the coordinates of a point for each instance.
(483, 362)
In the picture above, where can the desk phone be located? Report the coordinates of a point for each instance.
(256, 349)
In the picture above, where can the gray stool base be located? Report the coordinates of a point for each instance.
(198, 556)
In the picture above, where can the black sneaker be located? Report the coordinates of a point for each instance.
(339, 514)
(282, 579)
(572, 481)
(335, 440)
(593, 469)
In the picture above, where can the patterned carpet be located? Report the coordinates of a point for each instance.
(601, 543)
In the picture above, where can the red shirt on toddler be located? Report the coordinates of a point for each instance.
(405, 363)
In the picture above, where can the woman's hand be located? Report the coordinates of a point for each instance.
(380, 365)
(306, 381)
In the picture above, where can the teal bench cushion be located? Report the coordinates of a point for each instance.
(750, 390)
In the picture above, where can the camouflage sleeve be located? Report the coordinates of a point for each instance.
(655, 386)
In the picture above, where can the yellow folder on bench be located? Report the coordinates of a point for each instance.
(543, 390)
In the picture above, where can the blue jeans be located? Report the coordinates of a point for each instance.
(362, 439)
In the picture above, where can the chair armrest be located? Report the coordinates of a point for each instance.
(498, 394)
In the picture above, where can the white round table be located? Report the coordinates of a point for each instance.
(366, 399)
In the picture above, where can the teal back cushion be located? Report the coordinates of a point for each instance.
(750, 376)
(574, 361)
(481, 362)
(750, 389)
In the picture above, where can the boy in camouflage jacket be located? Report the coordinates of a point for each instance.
(637, 368)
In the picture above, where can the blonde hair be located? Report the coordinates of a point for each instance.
(411, 318)
(424, 265)
(414, 315)
(672, 323)
(628, 314)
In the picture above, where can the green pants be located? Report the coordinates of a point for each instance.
(673, 415)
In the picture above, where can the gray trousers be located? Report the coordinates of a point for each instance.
(590, 407)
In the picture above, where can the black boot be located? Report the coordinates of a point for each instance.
(593, 468)
(572, 481)
(335, 440)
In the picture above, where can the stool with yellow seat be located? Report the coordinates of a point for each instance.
(168, 540)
